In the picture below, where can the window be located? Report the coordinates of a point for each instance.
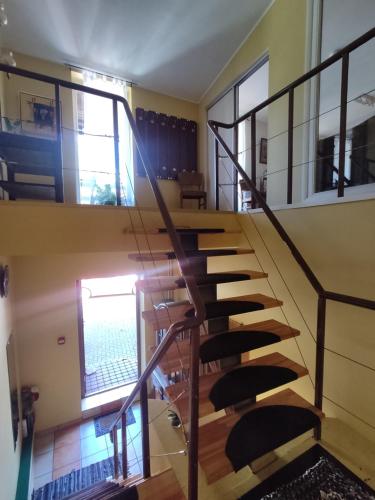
(96, 156)
(342, 22)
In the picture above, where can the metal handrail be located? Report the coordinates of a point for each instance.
(366, 37)
(191, 323)
(323, 295)
(191, 285)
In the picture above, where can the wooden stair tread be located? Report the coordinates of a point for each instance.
(169, 255)
(206, 382)
(163, 486)
(213, 436)
(162, 283)
(164, 317)
(177, 355)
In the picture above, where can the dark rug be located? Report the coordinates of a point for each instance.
(104, 422)
(314, 475)
(76, 480)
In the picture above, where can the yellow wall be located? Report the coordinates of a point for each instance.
(280, 34)
(52, 249)
(160, 103)
(9, 458)
(338, 242)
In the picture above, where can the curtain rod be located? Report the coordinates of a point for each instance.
(83, 68)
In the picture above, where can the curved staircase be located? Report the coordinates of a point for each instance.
(251, 427)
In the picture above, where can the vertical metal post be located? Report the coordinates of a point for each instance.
(343, 113)
(289, 196)
(194, 415)
(217, 202)
(116, 140)
(115, 452)
(145, 431)
(319, 364)
(124, 456)
(59, 182)
(235, 171)
(253, 135)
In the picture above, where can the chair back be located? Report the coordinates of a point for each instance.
(190, 179)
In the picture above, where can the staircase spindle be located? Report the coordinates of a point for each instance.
(145, 431)
(115, 453)
(124, 456)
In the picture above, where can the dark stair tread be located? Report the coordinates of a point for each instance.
(213, 437)
(39, 170)
(163, 283)
(225, 344)
(244, 338)
(236, 384)
(20, 141)
(193, 230)
(164, 317)
(191, 254)
(29, 190)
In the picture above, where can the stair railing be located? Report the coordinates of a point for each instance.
(323, 294)
(192, 323)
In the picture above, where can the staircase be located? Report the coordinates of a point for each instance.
(31, 165)
(163, 486)
(251, 427)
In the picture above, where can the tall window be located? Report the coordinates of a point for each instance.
(96, 151)
(342, 22)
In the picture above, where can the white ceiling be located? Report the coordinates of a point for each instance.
(176, 47)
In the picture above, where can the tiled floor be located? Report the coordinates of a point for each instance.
(112, 374)
(110, 342)
(58, 453)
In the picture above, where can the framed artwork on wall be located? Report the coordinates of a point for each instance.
(263, 150)
(37, 115)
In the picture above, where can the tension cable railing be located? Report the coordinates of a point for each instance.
(191, 324)
(323, 295)
(343, 56)
(220, 158)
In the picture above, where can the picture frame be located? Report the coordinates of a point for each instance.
(263, 151)
(37, 115)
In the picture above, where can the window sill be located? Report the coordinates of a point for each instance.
(351, 195)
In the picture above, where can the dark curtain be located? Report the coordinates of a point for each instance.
(170, 142)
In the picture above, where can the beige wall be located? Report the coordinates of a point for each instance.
(338, 242)
(52, 249)
(160, 103)
(9, 458)
(280, 34)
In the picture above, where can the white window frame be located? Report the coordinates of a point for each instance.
(312, 57)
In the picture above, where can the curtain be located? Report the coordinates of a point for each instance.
(170, 142)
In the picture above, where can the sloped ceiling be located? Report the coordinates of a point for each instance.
(176, 47)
